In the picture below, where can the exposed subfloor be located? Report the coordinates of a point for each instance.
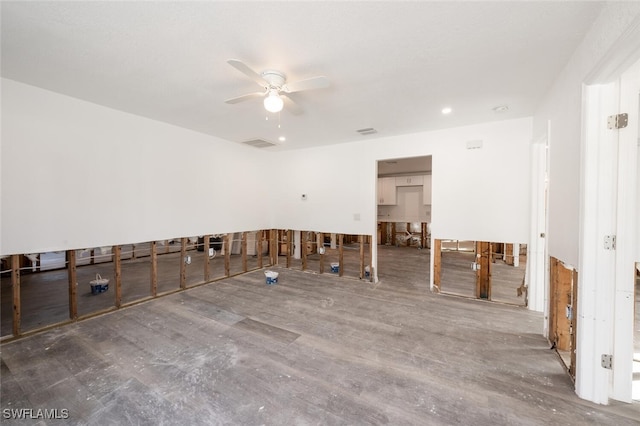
(312, 349)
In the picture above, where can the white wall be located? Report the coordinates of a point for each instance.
(477, 194)
(75, 174)
(562, 106)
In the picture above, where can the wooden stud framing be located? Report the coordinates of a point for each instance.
(289, 247)
(393, 234)
(437, 264)
(424, 234)
(560, 297)
(341, 254)
(369, 257)
(243, 249)
(383, 233)
(273, 251)
(183, 264)
(15, 286)
(260, 241)
(117, 272)
(361, 238)
(207, 258)
(154, 268)
(303, 249)
(227, 255)
(483, 275)
(574, 322)
(73, 284)
(321, 244)
(509, 255)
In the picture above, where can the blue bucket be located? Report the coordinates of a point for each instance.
(271, 277)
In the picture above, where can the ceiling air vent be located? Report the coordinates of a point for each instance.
(367, 131)
(259, 143)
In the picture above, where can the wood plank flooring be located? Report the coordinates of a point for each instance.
(312, 349)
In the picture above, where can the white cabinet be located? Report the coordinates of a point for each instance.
(409, 180)
(387, 191)
(426, 189)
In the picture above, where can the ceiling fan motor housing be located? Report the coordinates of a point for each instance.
(275, 78)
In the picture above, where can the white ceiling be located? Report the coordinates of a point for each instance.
(393, 65)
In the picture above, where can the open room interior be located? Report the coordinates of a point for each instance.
(320, 212)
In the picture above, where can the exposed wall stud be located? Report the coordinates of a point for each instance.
(361, 238)
(243, 249)
(73, 284)
(303, 249)
(207, 258)
(154, 268)
(321, 244)
(341, 254)
(227, 255)
(183, 264)
(15, 286)
(437, 264)
(483, 275)
(117, 271)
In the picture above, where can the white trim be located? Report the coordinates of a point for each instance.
(596, 265)
(626, 217)
(537, 251)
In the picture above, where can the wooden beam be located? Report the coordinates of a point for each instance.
(574, 322)
(243, 250)
(73, 284)
(274, 247)
(393, 234)
(361, 238)
(260, 241)
(383, 233)
(154, 268)
(561, 292)
(207, 258)
(437, 265)
(508, 254)
(370, 257)
(117, 272)
(289, 247)
(341, 254)
(15, 286)
(227, 255)
(303, 249)
(183, 264)
(321, 244)
(553, 296)
(483, 275)
(423, 235)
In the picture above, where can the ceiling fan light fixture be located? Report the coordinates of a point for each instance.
(273, 102)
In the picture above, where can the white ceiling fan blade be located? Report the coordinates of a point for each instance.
(319, 82)
(243, 68)
(290, 105)
(245, 97)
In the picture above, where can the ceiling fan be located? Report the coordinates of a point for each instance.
(276, 88)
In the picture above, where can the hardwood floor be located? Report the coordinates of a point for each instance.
(312, 349)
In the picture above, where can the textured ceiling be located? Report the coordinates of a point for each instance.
(393, 65)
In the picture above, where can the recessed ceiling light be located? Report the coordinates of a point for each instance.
(446, 110)
(282, 139)
(501, 108)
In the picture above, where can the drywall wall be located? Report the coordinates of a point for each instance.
(477, 194)
(75, 174)
(561, 108)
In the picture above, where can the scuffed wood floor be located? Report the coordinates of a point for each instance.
(312, 349)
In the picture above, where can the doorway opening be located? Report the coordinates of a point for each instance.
(404, 216)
